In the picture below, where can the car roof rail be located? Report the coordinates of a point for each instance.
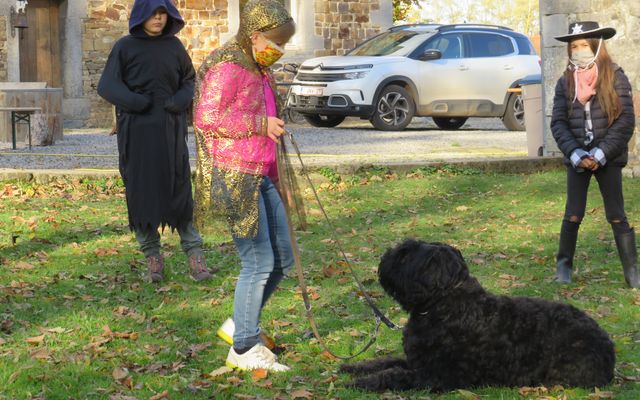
(405, 26)
(458, 26)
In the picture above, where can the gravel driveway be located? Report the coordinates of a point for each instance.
(352, 142)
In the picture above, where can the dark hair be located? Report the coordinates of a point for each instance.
(605, 86)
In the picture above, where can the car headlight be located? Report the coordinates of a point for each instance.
(355, 75)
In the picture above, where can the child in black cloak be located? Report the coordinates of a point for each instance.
(150, 79)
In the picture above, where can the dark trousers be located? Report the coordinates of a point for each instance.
(610, 183)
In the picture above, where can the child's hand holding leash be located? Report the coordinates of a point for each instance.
(275, 128)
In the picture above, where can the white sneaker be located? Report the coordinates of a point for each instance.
(226, 330)
(257, 357)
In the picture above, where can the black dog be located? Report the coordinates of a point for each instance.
(460, 336)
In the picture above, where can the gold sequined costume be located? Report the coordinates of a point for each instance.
(233, 151)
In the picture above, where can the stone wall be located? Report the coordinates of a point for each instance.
(107, 21)
(343, 24)
(624, 16)
(3, 49)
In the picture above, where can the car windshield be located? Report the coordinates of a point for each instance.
(393, 43)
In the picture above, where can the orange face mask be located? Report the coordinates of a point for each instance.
(269, 55)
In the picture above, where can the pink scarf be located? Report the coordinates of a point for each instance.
(585, 80)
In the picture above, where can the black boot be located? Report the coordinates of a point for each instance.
(626, 244)
(566, 250)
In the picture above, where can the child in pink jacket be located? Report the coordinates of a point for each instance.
(237, 128)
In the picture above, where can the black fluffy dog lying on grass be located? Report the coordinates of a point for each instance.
(460, 336)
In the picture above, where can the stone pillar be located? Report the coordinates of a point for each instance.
(12, 47)
(75, 105)
(622, 15)
(4, 59)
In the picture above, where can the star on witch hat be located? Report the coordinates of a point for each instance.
(586, 30)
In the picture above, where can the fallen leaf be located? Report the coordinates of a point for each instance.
(23, 265)
(219, 371)
(600, 395)
(234, 380)
(467, 395)
(244, 396)
(326, 355)
(329, 271)
(35, 340)
(301, 394)
(275, 322)
(259, 374)
(128, 382)
(14, 376)
(40, 353)
(163, 395)
(530, 391)
(105, 252)
(119, 373)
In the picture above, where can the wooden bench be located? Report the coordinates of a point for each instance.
(18, 115)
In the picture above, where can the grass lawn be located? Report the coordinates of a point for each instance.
(77, 320)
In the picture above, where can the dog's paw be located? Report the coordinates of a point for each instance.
(348, 369)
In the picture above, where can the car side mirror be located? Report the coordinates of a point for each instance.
(431, 54)
(291, 68)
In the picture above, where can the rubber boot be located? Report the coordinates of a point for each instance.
(566, 251)
(626, 244)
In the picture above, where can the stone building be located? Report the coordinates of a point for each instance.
(624, 16)
(68, 41)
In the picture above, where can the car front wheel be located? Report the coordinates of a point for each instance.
(514, 115)
(324, 121)
(449, 123)
(394, 109)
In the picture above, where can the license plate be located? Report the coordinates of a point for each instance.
(307, 90)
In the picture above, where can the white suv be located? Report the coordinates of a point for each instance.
(448, 72)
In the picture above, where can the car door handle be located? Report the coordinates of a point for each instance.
(507, 66)
(463, 67)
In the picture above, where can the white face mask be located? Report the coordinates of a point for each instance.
(583, 59)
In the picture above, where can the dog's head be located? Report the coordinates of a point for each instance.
(414, 271)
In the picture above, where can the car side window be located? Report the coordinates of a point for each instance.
(450, 45)
(524, 45)
(488, 45)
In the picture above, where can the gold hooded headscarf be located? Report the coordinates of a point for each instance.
(231, 193)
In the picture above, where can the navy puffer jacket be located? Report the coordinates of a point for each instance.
(568, 122)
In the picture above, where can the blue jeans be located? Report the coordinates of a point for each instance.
(265, 260)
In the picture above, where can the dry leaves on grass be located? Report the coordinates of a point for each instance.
(301, 394)
(467, 395)
(22, 265)
(533, 391)
(121, 376)
(597, 395)
(219, 371)
(104, 252)
(311, 290)
(36, 340)
(159, 396)
(40, 353)
(259, 374)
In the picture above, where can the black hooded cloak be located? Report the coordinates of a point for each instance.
(150, 80)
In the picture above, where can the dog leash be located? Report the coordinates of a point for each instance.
(379, 315)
